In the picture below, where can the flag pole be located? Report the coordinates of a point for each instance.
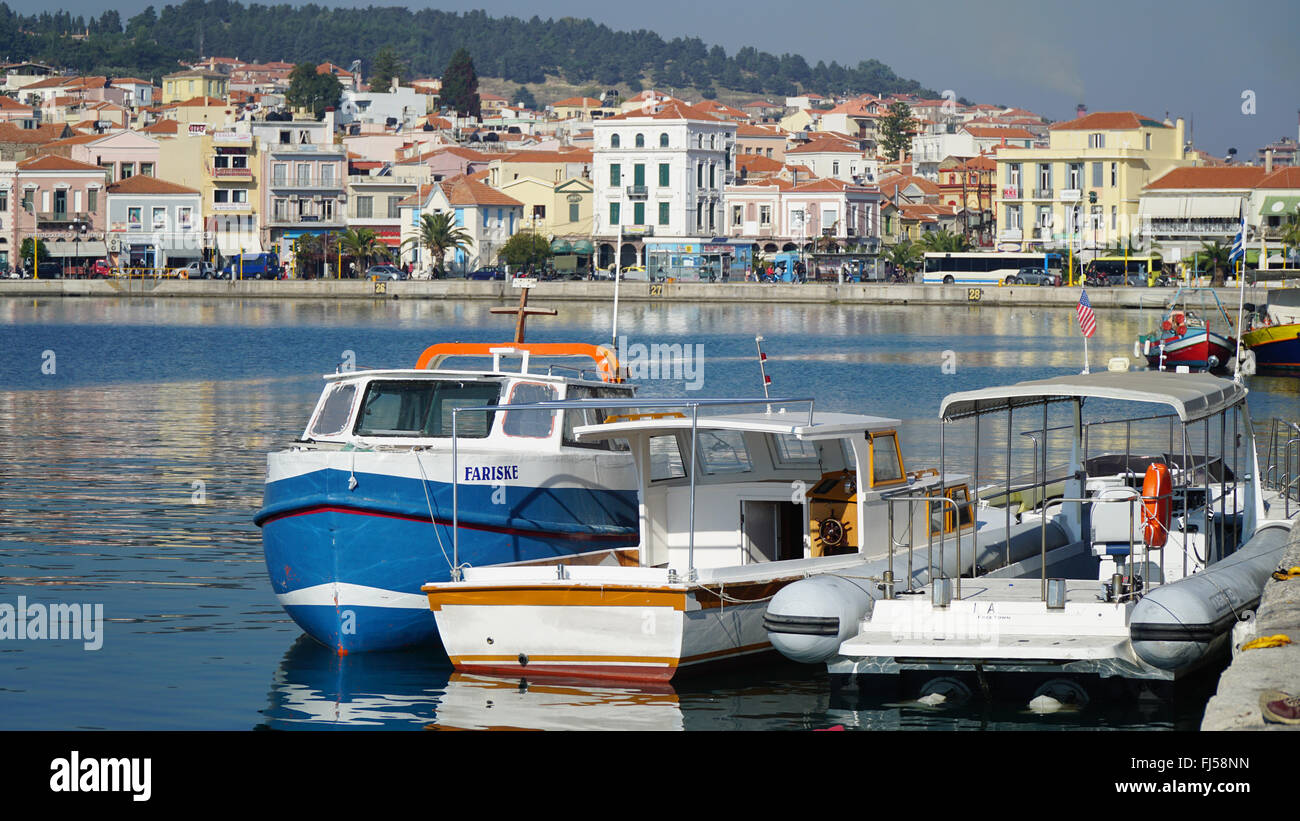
(1241, 294)
(1085, 356)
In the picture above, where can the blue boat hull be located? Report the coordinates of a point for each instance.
(348, 564)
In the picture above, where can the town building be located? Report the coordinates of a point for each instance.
(1082, 191)
(152, 223)
(659, 173)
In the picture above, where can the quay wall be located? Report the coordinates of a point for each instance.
(1236, 704)
(692, 292)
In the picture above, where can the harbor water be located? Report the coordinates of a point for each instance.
(133, 439)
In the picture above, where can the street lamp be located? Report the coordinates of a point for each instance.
(80, 227)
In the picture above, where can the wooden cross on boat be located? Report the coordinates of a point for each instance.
(524, 286)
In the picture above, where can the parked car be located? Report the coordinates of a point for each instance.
(389, 272)
(1035, 276)
(252, 266)
(100, 268)
(196, 270)
(488, 273)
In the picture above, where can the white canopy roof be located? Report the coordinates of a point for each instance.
(1192, 395)
(792, 423)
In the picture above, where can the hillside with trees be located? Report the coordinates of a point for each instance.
(519, 51)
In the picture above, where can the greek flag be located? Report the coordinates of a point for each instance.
(1239, 243)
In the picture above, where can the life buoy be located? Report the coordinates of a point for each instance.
(1167, 325)
(1157, 504)
(1178, 318)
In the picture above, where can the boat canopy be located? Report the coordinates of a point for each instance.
(1193, 395)
(821, 425)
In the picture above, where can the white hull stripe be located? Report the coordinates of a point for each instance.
(341, 594)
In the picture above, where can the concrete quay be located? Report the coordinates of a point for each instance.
(561, 291)
(1236, 704)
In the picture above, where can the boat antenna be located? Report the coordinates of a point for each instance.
(762, 368)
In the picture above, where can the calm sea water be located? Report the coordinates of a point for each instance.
(133, 436)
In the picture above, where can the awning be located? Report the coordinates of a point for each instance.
(1193, 395)
(1275, 206)
(61, 250)
(583, 246)
(1163, 207)
(1214, 207)
(560, 246)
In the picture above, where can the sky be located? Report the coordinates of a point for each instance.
(1232, 70)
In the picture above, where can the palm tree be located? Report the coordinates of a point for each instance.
(1215, 256)
(1290, 240)
(438, 232)
(363, 244)
(905, 256)
(945, 241)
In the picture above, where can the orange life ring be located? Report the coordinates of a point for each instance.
(1157, 504)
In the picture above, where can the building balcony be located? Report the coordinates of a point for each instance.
(238, 173)
(307, 221)
(1042, 193)
(59, 219)
(637, 192)
(230, 206)
(301, 183)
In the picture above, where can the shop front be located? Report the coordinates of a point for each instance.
(699, 260)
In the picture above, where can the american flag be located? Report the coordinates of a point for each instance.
(1087, 321)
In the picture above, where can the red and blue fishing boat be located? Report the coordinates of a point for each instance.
(1197, 336)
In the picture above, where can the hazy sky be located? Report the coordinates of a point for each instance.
(1193, 58)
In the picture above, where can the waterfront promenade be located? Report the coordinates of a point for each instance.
(690, 292)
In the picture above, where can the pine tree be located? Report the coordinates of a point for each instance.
(523, 97)
(385, 69)
(460, 85)
(896, 130)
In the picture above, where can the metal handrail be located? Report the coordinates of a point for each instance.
(943, 537)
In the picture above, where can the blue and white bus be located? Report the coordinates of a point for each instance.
(984, 267)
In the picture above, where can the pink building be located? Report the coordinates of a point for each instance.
(57, 200)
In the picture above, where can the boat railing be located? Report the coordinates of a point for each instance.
(1282, 462)
(894, 543)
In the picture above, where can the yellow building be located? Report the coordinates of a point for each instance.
(186, 85)
(225, 167)
(556, 210)
(1082, 191)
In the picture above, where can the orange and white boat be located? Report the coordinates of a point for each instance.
(766, 499)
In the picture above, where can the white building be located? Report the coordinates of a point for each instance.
(660, 173)
(403, 105)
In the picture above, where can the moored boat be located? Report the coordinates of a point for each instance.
(734, 507)
(1196, 336)
(358, 512)
(1274, 334)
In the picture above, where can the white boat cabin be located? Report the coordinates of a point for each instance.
(758, 482)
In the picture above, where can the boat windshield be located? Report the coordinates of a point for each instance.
(422, 408)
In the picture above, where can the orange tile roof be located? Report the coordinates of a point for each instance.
(757, 163)
(822, 142)
(53, 162)
(162, 127)
(144, 184)
(671, 110)
(1228, 176)
(1287, 177)
(42, 133)
(131, 80)
(1108, 121)
(469, 191)
(997, 132)
(199, 102)
(13, 105)
(577, 102)
(758, 131)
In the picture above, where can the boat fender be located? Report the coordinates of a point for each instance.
(808, 620)
(1157, 505)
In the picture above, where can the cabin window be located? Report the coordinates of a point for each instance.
(423, 408)
(788, 451)
(334, 414)
(941, 515)
(723, 451)
(886, 463)
(592, 416)
(665, 458)
(530, 423)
